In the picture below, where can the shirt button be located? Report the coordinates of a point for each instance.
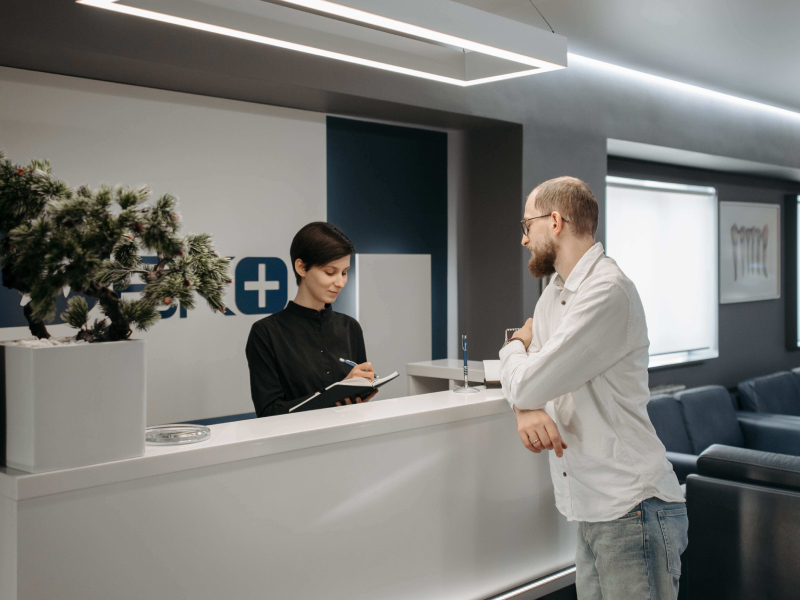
(563, 302)
(565, 473)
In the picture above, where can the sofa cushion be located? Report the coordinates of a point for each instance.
(665, 415)
(778, 393)
(710, 417)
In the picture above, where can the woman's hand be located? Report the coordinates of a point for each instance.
(363, 370)
(359, 400)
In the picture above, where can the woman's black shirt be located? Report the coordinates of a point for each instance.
(294, 353)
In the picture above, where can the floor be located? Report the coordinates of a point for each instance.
(567, 593)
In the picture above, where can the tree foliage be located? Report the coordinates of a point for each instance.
(53, 237)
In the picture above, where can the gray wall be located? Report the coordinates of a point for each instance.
(490, 286)
(752, 337)
(566, 118)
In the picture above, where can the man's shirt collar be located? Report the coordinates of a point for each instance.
(581, 269)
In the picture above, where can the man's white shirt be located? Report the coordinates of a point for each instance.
(587, 368)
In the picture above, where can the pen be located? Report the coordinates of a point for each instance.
(352, 364)
(466, 365)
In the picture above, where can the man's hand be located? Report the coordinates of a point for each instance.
(537, 430)
(524, 334)
(363, 370)
(359, 400)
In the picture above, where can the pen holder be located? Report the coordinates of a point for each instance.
(465, 389)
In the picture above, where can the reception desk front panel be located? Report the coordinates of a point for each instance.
(429, 496)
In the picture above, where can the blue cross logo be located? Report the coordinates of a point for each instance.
(261, 285)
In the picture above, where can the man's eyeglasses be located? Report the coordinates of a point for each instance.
(524, 222)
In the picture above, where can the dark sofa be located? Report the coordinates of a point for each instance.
(690, 421)
(744, 525)
(778, 393)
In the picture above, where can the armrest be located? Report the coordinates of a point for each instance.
(682, 464)
(771, 433)
(750, 466)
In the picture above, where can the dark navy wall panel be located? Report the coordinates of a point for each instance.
(387, 190)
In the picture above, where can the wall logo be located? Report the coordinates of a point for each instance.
(261, 289)
(261, 285)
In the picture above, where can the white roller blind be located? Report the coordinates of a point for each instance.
(664, 237)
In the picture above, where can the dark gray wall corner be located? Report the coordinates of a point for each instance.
(490, 288)
(552, 152)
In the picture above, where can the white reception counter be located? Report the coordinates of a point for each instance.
(429, 496)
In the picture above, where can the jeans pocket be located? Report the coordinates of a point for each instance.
(675, 529)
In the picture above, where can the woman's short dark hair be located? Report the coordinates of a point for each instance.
(317, 244)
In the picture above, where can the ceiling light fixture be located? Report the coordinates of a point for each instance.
(437, 40)
(679, 85)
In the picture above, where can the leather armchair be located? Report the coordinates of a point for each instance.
(778, 393)
(744, 524)
(667, 419)
(694, 419)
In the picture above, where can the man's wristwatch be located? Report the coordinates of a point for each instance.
(510, 335)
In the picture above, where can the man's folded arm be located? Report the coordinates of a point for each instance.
(592, 337)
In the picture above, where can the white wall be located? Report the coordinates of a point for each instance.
(393, 305)
(249, 174)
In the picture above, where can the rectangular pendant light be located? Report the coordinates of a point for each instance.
(437, 40)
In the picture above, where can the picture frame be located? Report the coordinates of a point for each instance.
(749, 252)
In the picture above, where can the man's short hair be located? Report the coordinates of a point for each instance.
(573, 199)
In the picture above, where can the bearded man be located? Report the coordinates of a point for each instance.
(576, 377)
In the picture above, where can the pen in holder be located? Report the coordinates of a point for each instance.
(465, 389)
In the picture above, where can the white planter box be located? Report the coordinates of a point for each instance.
(71, 406)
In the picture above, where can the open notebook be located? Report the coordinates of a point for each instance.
(337, 392)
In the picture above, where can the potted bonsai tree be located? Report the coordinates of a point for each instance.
(81, 400)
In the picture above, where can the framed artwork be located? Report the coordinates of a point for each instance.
(749, 252)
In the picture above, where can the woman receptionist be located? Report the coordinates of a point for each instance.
(294, 353)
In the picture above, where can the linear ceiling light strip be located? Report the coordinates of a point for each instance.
(686, 87)
(414, 30)
(235, 33)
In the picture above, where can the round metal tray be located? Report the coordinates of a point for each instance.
(173, 435)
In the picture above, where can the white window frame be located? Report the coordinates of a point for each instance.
(797, 250)
(693, 354)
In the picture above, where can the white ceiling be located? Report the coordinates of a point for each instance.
(747, 48)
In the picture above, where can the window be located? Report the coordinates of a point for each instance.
(797, 329)
(664, 238)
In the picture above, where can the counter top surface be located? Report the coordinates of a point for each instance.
(446, 368)
(242, 440)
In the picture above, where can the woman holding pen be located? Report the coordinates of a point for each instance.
(296, 352)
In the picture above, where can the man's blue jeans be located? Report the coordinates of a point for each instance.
(635, 557)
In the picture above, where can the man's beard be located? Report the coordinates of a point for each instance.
(543, 260)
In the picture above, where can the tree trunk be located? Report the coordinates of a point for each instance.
(109, 300)
(37, 327)
(11, 282)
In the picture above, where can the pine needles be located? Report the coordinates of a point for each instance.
(91, 241)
